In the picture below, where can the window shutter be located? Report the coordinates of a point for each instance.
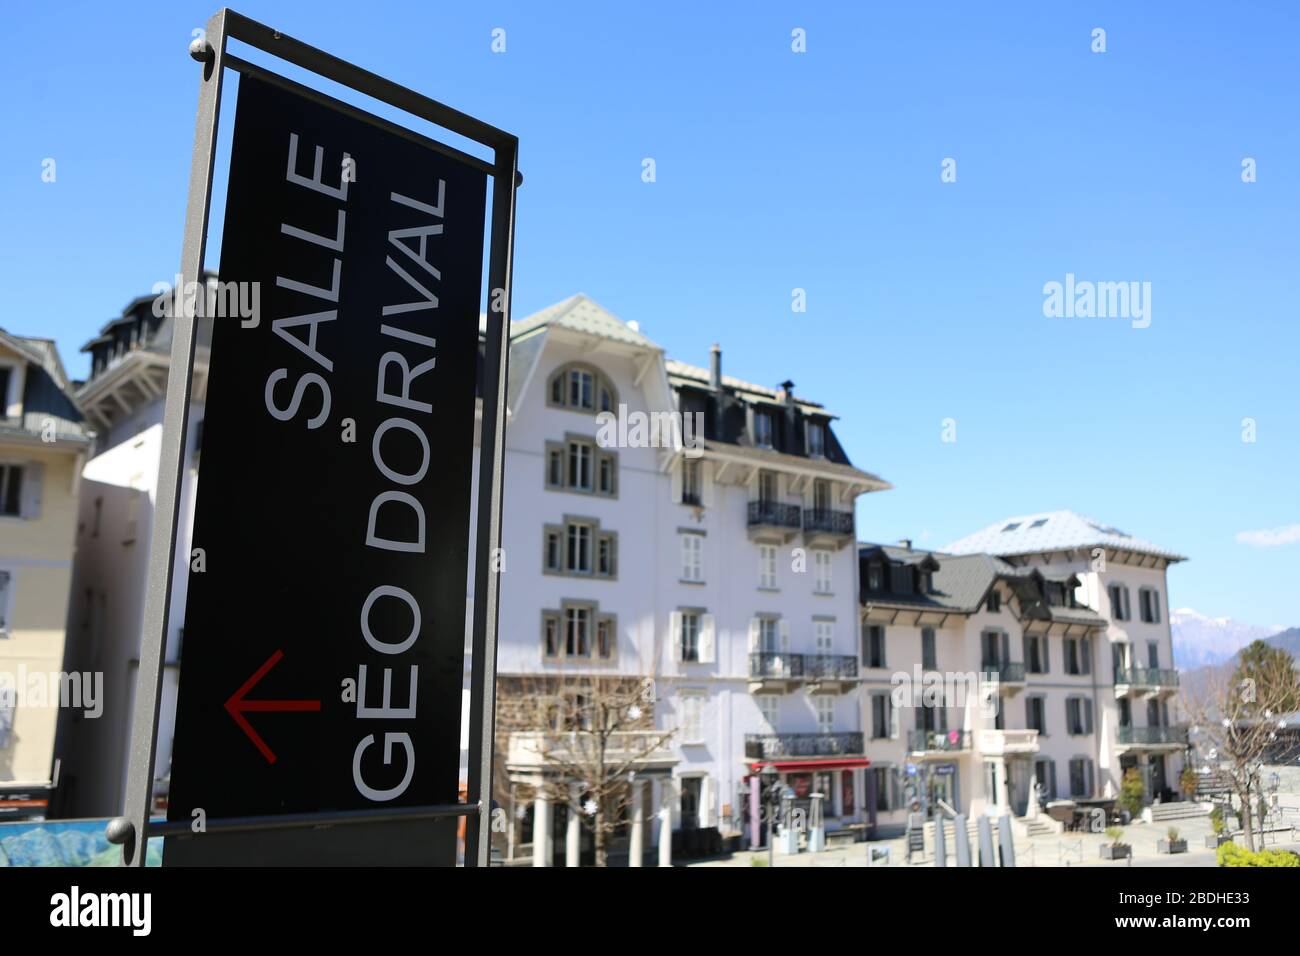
(753, 635)
(1047, 656)
(706, 801)
(706, 638)
(1155, 606)
(675, 633)
(1087, 716)
(677, 481)
(783, 628)
(706, 483)
(31, 491)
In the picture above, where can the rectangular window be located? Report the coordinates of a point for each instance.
(768, 705)
(691, 484)
(605, 637)
(1045, 774)
(767, 487)
(822, 572)
(690, 636)
(1080, 777)
(11, 489)
(605, 549)
(769, 639)
(580, 465)
(1119, 606)
(881, 717)
(1035, 662)
(551, 635)
(763, 429)
(816, 439)
(1153, 654)
(692, 557)
(554, 548)
(580, 389)
(824, 636)
(874, 651)
(886, 789)
(929, 656)
(825, 713)
(555, 468)
(767, 565)
(605, 474)
(1035, 715)
(873, 577)
(995, 601)
(692, 728)
(579, 549)
(577, 632)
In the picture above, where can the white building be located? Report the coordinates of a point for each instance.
(728, 579)
(123, 401)
(1132, 667)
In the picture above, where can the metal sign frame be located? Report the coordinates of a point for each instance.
(133, 830)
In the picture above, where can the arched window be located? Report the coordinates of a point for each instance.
(581, 388)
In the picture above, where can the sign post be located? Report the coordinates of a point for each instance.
(320, 693)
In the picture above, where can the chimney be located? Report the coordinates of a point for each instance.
(787, 392)
(905, 543)
(715, 383)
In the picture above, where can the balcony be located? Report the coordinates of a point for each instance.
(770, 671)
(1151, 738)
(1009, 677)
(827, 527)
(830, 673)
(536, 751)
(772, 746)
(1008, 743)
(768, 519)
(1146, 682)
(936, 743)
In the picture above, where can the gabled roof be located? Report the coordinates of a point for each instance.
(1053, 531)
(580, 314)
(47, 395)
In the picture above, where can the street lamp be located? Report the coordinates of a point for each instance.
(769, 777)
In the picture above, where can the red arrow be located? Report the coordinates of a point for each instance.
(236, 706)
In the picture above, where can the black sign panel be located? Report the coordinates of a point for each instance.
(322, 659)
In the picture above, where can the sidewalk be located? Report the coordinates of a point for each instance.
(1066, 849)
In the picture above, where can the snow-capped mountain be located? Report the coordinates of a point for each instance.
(1201, 640)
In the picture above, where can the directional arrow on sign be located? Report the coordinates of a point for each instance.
(237, 706)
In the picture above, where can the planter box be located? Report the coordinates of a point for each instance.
(1213, 842)
(1171, 846)
(1110, 852)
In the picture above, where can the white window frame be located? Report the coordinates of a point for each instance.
(823, 562)
(824, 636)
(692, 715)
(824, 704)
(692, 553)
(769, 708)
(767, 566)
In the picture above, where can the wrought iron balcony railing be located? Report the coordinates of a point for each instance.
(767, 746)
(1147, 677)
(1152, 735)
(1012, 672)
(828, 520)
(773, 514)
(831, 666)
(768, 664)
(921, 741)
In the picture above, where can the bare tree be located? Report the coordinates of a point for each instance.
(1236, 714)
(586, 734)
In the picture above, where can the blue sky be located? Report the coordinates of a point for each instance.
(819, 171)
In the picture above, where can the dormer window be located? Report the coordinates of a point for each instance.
(995, 601)
(927, 582)
(6, 377)
(816, 440)
(763, 429)
(582, 389)
(873, 577)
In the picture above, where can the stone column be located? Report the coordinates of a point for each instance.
(541, 830)
(666, 828)
(573, 832)
(636, 845)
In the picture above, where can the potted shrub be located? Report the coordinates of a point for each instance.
(1114, 850)
(1187, 782)
(1172, 844)
(1219, 837)
(1130, 792)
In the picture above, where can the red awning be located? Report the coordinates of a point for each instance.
(824, 763)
